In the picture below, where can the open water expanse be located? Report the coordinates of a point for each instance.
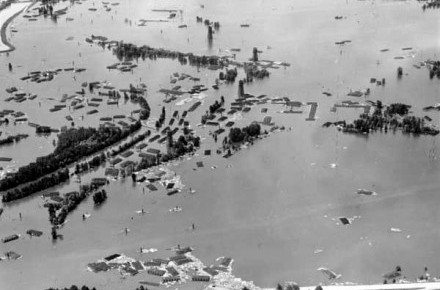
(273, 207)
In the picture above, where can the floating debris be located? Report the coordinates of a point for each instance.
(394, 274)
(11, 255)
(345, 221)
(331, 275)
(34, 233)
(10, 238)
(175, 209)
(147, 251)
(365, 192)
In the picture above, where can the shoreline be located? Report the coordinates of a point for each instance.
(5, 25)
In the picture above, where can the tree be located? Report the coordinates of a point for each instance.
(236, 135)
(254, 129)
(99, 197)
(54, 233)
(170, 142)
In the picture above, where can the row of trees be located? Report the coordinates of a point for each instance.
(70, 202)
(217, 105)
(129, 51)
(130, 143)
(230, 75)
(68, 151)
(212, 110)
(73, 137)
(145, 109)
(388, 119)
(12, 139)
(43, 130)
(252, 72)
(432, 4)
(147, 163)
(41, 184)
(5, 4)
(74, 287)
(95, 162)
(184, 144)
(237, 135)
(435, 68)
(100, 159)
(393, 109)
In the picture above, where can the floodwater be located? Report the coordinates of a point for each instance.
(273, 205)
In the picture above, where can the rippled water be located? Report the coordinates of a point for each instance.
(273, 205)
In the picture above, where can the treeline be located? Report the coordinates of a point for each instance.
(434, 70)
(130, 143)
(212, 110)
(229, 75)
(237, 135)
(136, 96)
(5, 4)
(100, 159)
(72, 137)
(386, 119)
(41, 184)
(73, 287)
(128, 51)
(145, 109)
(184, 144)
(95, 162)
(70, 202)
(393, 109)
(252, 72)
(73, 145)
(433, 4)
(12, 139)
(43, 130)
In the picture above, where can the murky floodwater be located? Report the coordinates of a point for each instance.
(273, 205)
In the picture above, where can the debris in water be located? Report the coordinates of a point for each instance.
(10, 238)
(11, 256)
(34, 233)
(394, 274)
(365, 192)
(146, 251)
(331, 275)
(345, 221)
(175, 209)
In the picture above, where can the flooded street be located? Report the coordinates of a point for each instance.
(273, 206)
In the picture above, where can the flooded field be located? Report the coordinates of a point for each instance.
(273, 206)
